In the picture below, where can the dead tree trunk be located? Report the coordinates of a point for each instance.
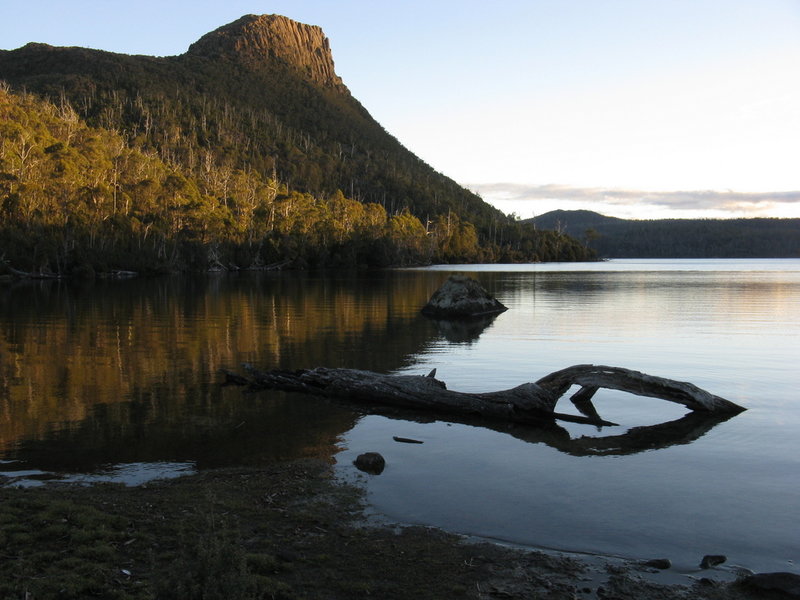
(592, 377)
(526, 403)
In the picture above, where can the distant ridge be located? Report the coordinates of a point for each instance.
(573, 220)
(677, 238)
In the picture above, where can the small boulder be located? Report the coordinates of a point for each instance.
(712, 560)
(658, 563)
(461, 297)
(370, 462)
(787, 583)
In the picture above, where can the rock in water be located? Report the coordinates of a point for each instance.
(370, 462)
(658, 563)
(787, 583)
(461, 297)
(712, 560)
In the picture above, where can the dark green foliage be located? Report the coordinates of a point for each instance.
(75, 549)
(211, 565)
(190, 161)
(678, 238)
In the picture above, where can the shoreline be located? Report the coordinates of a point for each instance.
(284, 530)
(597, 565)
(644, 567)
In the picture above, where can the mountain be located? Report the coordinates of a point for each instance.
(252, 39)
(677, 238)
(258, 102)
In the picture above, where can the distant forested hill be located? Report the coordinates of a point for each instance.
(245, 150)
(677, 238)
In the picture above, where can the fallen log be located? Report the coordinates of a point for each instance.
(527, 403)
(592, 377)
(524, 403)
(27, 274)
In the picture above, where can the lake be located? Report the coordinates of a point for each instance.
(119, 380)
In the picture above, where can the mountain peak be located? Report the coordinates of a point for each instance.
(254, 40)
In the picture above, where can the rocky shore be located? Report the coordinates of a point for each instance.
(288, 530)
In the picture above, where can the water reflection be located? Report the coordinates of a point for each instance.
(94, 373)
(677, 486)
(633, 440)
(463, 331)
(231, 429)
(685, 430)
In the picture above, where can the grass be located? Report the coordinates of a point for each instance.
(282, 532)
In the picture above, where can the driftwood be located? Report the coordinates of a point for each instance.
(4, 266)
(118, 274)
(217, 267)
(592, 377)
(527, 403)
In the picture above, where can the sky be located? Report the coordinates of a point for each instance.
(631, 108)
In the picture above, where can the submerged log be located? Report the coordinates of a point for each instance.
(526, 403)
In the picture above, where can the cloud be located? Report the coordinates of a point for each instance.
(700, 201)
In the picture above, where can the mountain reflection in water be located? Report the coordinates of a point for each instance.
(93, 373)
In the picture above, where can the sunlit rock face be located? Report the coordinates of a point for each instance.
(254, 40)
(461, 297)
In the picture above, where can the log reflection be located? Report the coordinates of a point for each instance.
(678, 432)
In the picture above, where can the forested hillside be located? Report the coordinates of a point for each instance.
(246, 150)
(677, 238)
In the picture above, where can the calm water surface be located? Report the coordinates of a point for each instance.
(119, 380)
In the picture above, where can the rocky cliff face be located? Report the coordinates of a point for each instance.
(254, 40)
